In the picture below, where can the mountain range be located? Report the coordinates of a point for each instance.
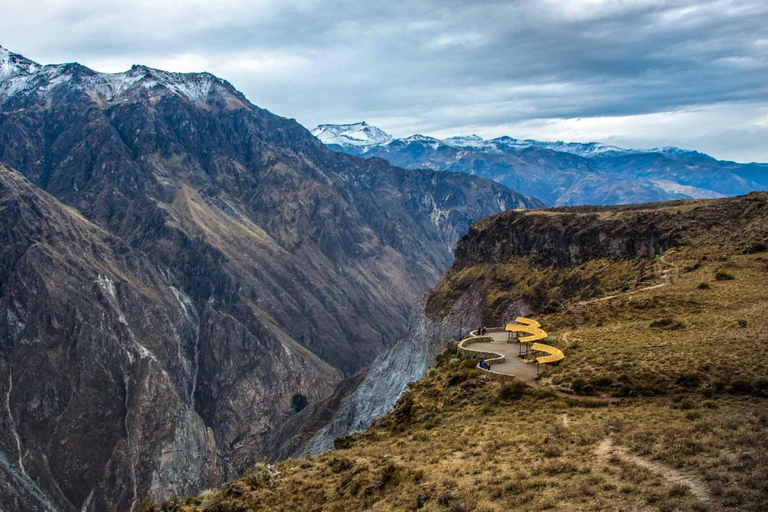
(182, 272)
(559, 173)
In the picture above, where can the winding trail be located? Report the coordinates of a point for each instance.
(668, 277)
(608, 449)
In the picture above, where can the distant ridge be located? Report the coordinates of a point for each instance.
(560, 173)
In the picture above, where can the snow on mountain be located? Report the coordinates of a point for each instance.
(686, 191)
(21, 76)
(365, 137)
(424, 140)
(469, 141)
(585, 149)
(355, 134)
(675, 151)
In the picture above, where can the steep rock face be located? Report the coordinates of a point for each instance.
(93, 339)
(287, 266)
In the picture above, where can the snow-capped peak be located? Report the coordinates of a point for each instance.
(13, 64)
(420, 138)
(355, 134)
(672, 150)
(21, 76)
(468, 141)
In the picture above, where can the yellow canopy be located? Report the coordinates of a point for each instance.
(555, 354)
(536, 333)
(527, 321)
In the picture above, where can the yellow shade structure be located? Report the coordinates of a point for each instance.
(555, 354)
(527, 321)
(535, 333)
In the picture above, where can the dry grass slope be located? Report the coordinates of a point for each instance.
(661, 404)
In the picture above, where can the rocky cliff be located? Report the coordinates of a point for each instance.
(245, 267)
(538, 262)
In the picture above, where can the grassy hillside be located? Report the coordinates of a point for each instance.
(660, 404)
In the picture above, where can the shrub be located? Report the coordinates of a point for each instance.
(686, 404)
(458, 378)
(757, 247)
(513, 390)
(581, 387)
(669, 324)
(689, 380)
(454, 362)
(761, 384)
(703, 286)
(741, 387)
(339, 465)
(742, 323)
(389, 475)
(601, 382)
(722, 275)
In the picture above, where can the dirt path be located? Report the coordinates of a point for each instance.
(668, 276)
(606, 449)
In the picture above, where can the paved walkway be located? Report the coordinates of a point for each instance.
(513, 364)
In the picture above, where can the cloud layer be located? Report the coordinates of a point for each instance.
(638, 73)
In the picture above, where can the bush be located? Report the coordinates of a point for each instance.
(458, 378)
(742, 323)
(757, 247)
(722, 275)
(687, 404)
(703, 286)
(669, 324)
(454, 362)
(689, 380)
(741, 387)
(513, 390)
(582, 387)
(601, 382)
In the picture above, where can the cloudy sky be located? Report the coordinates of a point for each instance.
(637, 73)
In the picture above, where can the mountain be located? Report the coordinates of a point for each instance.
(659, 404)
(187, 272)
(359, 135)
(567, 173)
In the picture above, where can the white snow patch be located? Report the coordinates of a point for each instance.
(355, 134)
(673, 187)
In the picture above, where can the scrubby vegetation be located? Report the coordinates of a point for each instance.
(660, 404)
(484, 446)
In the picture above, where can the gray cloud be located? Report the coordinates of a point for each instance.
(525, 68)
